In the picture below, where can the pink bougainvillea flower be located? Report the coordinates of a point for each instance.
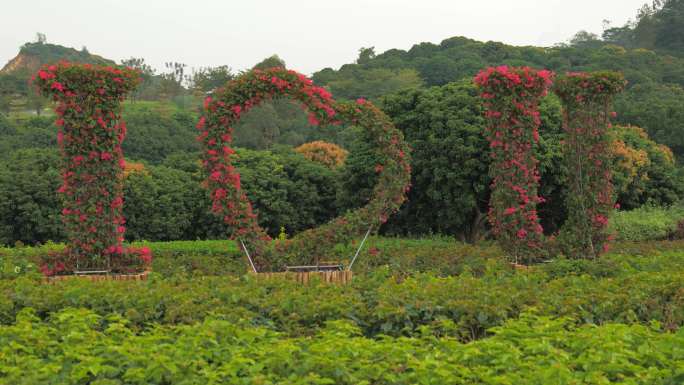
(511, 97)
(201, 123)
(230, 202)
(313, 120)
(215, 176)
(510, 211)
(90, 88)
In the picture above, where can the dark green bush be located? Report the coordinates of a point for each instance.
(169, 203)
(29, 205)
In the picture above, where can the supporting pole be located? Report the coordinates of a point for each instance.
(359, 249)
(248, 257)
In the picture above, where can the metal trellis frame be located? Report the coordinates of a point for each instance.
(360, 247)
(248, 257)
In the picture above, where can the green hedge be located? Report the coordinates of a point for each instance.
(647, 223)
(440, 255)
(404, 257)
(615, 289)
(77, 346)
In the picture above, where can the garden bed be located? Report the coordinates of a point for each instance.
(98, 277)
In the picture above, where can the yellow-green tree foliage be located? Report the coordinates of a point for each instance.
(642, 168)
(328, 154)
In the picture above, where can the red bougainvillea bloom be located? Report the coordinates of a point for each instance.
(223, 110)
(92, 177)
(511, 98)
(57, 86)
(522, 234)
(201, 123)
(586, 100)
(510, 210)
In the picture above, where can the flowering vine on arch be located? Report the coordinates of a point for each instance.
(223, 110)
(90, 132)
(587, 99)
(511, 99)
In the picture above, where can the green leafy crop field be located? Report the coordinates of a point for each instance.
(430, 311)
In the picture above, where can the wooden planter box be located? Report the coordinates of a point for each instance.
(520, 267)
(98, 277)
(341, 277)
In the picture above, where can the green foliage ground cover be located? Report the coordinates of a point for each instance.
(441, 255)
(77, 346)
(397, 295)
(418, 311)
(647, 223)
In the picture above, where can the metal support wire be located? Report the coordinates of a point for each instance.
(248, 257)
(360, 246)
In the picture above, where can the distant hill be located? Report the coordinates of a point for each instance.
(654, 98)
(459, 57)
(648, 50)
(659, 27)
(33, 55)
(15, 93)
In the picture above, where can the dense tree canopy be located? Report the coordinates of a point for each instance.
(30, 207)
(644, 171)
(450, 160)
(426, 90)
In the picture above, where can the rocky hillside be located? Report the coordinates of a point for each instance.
(32, 55)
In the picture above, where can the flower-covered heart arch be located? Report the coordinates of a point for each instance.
(223, 110)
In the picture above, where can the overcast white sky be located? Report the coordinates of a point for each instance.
(308, 34)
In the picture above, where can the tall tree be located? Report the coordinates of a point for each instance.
(270, 62)
(365, 55)
(206, 79)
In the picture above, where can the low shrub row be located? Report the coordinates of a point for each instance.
(648, 223)
(404, 257)
(615, 289)
(77, 346)
(441, 255)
